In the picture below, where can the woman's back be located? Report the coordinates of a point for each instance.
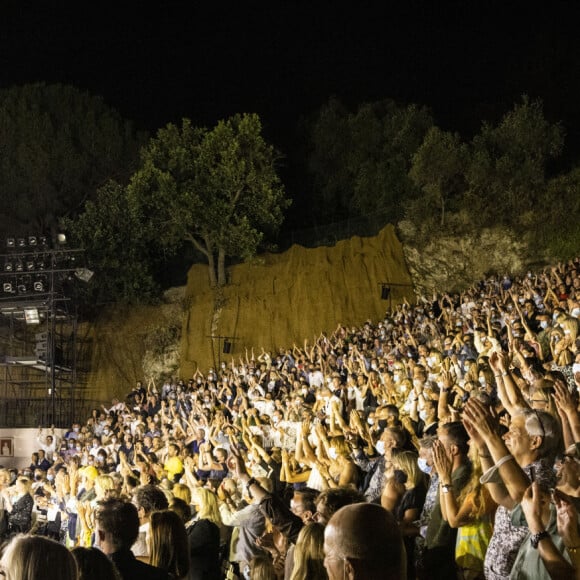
(204, 549)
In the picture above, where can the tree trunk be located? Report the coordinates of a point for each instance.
(211, 265)
(221, 267)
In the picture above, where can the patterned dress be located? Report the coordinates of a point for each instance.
(507, 538)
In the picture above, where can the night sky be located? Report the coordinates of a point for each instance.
(467, 61)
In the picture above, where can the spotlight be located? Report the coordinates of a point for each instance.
(22, 289)
(30, 265)
(40, 264)
(31, 315)
(84, 274)
(21, 242)
(38, 286)
(61, 239)
(32, 240)
(8, 288)
(19, 266)
(42, 241)
(8, 267)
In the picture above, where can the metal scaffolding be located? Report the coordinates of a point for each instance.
(38, 334)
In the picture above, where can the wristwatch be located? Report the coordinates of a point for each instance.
(446, 487)
(535, 539)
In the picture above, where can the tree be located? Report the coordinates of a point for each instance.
(216, 189)
(438, 169)
(507, 172)
(57, 146)
(115, 249)
(360, 161)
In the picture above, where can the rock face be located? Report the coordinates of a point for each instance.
(452, 263)
(277, 301)
(283, 298)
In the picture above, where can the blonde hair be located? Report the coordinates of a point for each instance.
(262, 568)
(31, 557)
(340, 444)
(570, 324)
(104, 485)
(4, 476)
(206, 502)
(309, 554)
(182, 491)
(407, 461)
(477, 492)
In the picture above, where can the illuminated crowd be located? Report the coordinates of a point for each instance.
(442, 441)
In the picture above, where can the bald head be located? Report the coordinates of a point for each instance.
(363, 540)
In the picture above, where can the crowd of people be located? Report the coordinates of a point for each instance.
(440, 442)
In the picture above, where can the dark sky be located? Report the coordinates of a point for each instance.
(207, 60)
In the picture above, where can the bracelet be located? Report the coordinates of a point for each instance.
(491, 474)
(503, 460)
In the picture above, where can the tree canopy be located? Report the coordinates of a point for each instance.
(58, 145)
(217, 189)
(214, 189)
(360, 161)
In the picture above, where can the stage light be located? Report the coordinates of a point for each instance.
(32, 241)
(38, 286)
(8, 288)
(21, 242)
(84, 274)
(30, 265)
(10, 242)
(19, 266)
(8, 266)
(31, 316)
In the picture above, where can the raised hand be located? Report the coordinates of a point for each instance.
(566, 519)
(442, 461)
(480, 418)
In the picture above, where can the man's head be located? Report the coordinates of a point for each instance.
(331, 500)
(363, 540)
(533, 435)
(303, 504)
(117, 525)
(149, 498)
(454, 438)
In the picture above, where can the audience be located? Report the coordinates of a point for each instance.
(440, 441)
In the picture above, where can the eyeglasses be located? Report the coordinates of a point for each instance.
(543, 435)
